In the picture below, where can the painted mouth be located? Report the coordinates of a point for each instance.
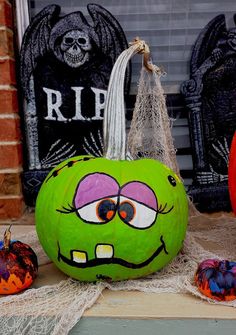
(104, 254)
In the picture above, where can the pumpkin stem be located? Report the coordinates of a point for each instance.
(114, 130)
(7, 238)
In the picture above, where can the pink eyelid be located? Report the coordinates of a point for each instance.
(140, 192)
(94, 187)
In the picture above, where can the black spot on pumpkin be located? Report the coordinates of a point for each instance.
(70, 164)
(172, 180)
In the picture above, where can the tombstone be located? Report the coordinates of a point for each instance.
(65, 68)
(210, 96)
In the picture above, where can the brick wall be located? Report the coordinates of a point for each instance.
(11, 200)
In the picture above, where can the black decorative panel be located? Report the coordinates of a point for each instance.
(65, 69)
(32, 181)
(210, 96)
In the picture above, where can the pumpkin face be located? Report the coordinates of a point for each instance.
(101, 219)
(18, 267)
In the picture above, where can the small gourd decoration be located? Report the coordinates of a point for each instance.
(232, 174)
(216, 279)
(110, 218)
(18, 265)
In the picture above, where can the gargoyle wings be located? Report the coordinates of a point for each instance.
(207, 41)
(36, 43)
(111, 36)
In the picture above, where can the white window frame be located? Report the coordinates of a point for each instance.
(22, 18)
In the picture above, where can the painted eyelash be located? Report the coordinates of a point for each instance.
(162, 210)
(65, 210)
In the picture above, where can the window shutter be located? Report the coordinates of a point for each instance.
(170, 28)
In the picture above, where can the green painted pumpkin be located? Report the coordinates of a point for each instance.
(99, 219)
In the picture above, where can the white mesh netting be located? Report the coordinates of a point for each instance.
(55, 309)
(150, 130)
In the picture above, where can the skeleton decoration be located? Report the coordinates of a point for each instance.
(65, 68)
(210, 95)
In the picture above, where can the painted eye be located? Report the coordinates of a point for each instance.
(127, 211)
(135, 214)
(101, 211)
(172, 180)
(106, 209)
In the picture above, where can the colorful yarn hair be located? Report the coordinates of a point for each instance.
(217, 279)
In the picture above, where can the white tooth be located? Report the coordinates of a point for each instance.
(104, 251)
(79, 256)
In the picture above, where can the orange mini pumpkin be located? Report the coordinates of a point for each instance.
(18, 265)
(216, 279)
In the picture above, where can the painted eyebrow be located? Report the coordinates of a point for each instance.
(93, 187)
(140, 192)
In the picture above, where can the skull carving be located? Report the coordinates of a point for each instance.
(75, 48)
